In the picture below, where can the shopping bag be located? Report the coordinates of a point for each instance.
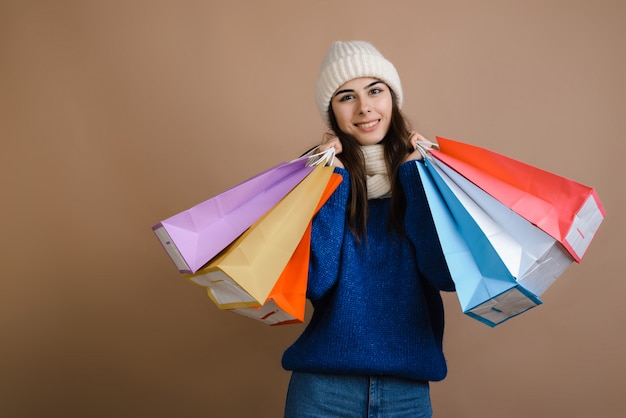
(534, 258)
(568, 211)
(486, 289)
(244, 274)
(196, 235)
(287, 301)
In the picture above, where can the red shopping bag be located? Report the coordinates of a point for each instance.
(568, 211)
(287, 300)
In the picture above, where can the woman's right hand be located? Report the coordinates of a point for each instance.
(330, 140)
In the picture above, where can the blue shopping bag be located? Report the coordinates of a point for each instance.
(486, 289)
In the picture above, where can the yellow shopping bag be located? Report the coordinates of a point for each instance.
(286, 303)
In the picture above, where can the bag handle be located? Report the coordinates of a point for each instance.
(424, 148)
(316, 158)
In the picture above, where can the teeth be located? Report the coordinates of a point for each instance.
(367, 125)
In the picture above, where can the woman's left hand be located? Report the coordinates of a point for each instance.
(414, 138)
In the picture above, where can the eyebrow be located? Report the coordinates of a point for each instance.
(352, 91)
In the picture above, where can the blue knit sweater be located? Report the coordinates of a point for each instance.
(377, 308)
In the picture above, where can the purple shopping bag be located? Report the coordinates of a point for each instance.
(196, 235)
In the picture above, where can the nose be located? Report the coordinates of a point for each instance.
(364, 106)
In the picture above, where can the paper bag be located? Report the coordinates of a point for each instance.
(568, 211)
(196, 235)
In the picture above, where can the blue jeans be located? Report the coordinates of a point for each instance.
(325, 396)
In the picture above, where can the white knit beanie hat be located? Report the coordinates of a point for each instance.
(346, 61)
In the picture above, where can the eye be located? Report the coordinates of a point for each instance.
(376, 90)
(346, 98)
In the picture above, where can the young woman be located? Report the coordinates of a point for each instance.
(375, 338)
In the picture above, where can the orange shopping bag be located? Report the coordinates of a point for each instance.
(287, 300)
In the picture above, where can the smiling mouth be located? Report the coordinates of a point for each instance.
(368, 124)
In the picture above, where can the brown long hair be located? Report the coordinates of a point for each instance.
(396, 146)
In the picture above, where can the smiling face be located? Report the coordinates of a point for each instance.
(363, 108)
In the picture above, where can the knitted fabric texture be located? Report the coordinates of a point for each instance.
(377, 308)
(346, 61)
(378, 184)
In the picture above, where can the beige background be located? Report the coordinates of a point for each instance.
(117, 114)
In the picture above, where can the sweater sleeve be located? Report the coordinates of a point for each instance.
(420, 228)
(327, 238)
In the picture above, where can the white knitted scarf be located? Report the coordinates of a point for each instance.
(378, 184)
